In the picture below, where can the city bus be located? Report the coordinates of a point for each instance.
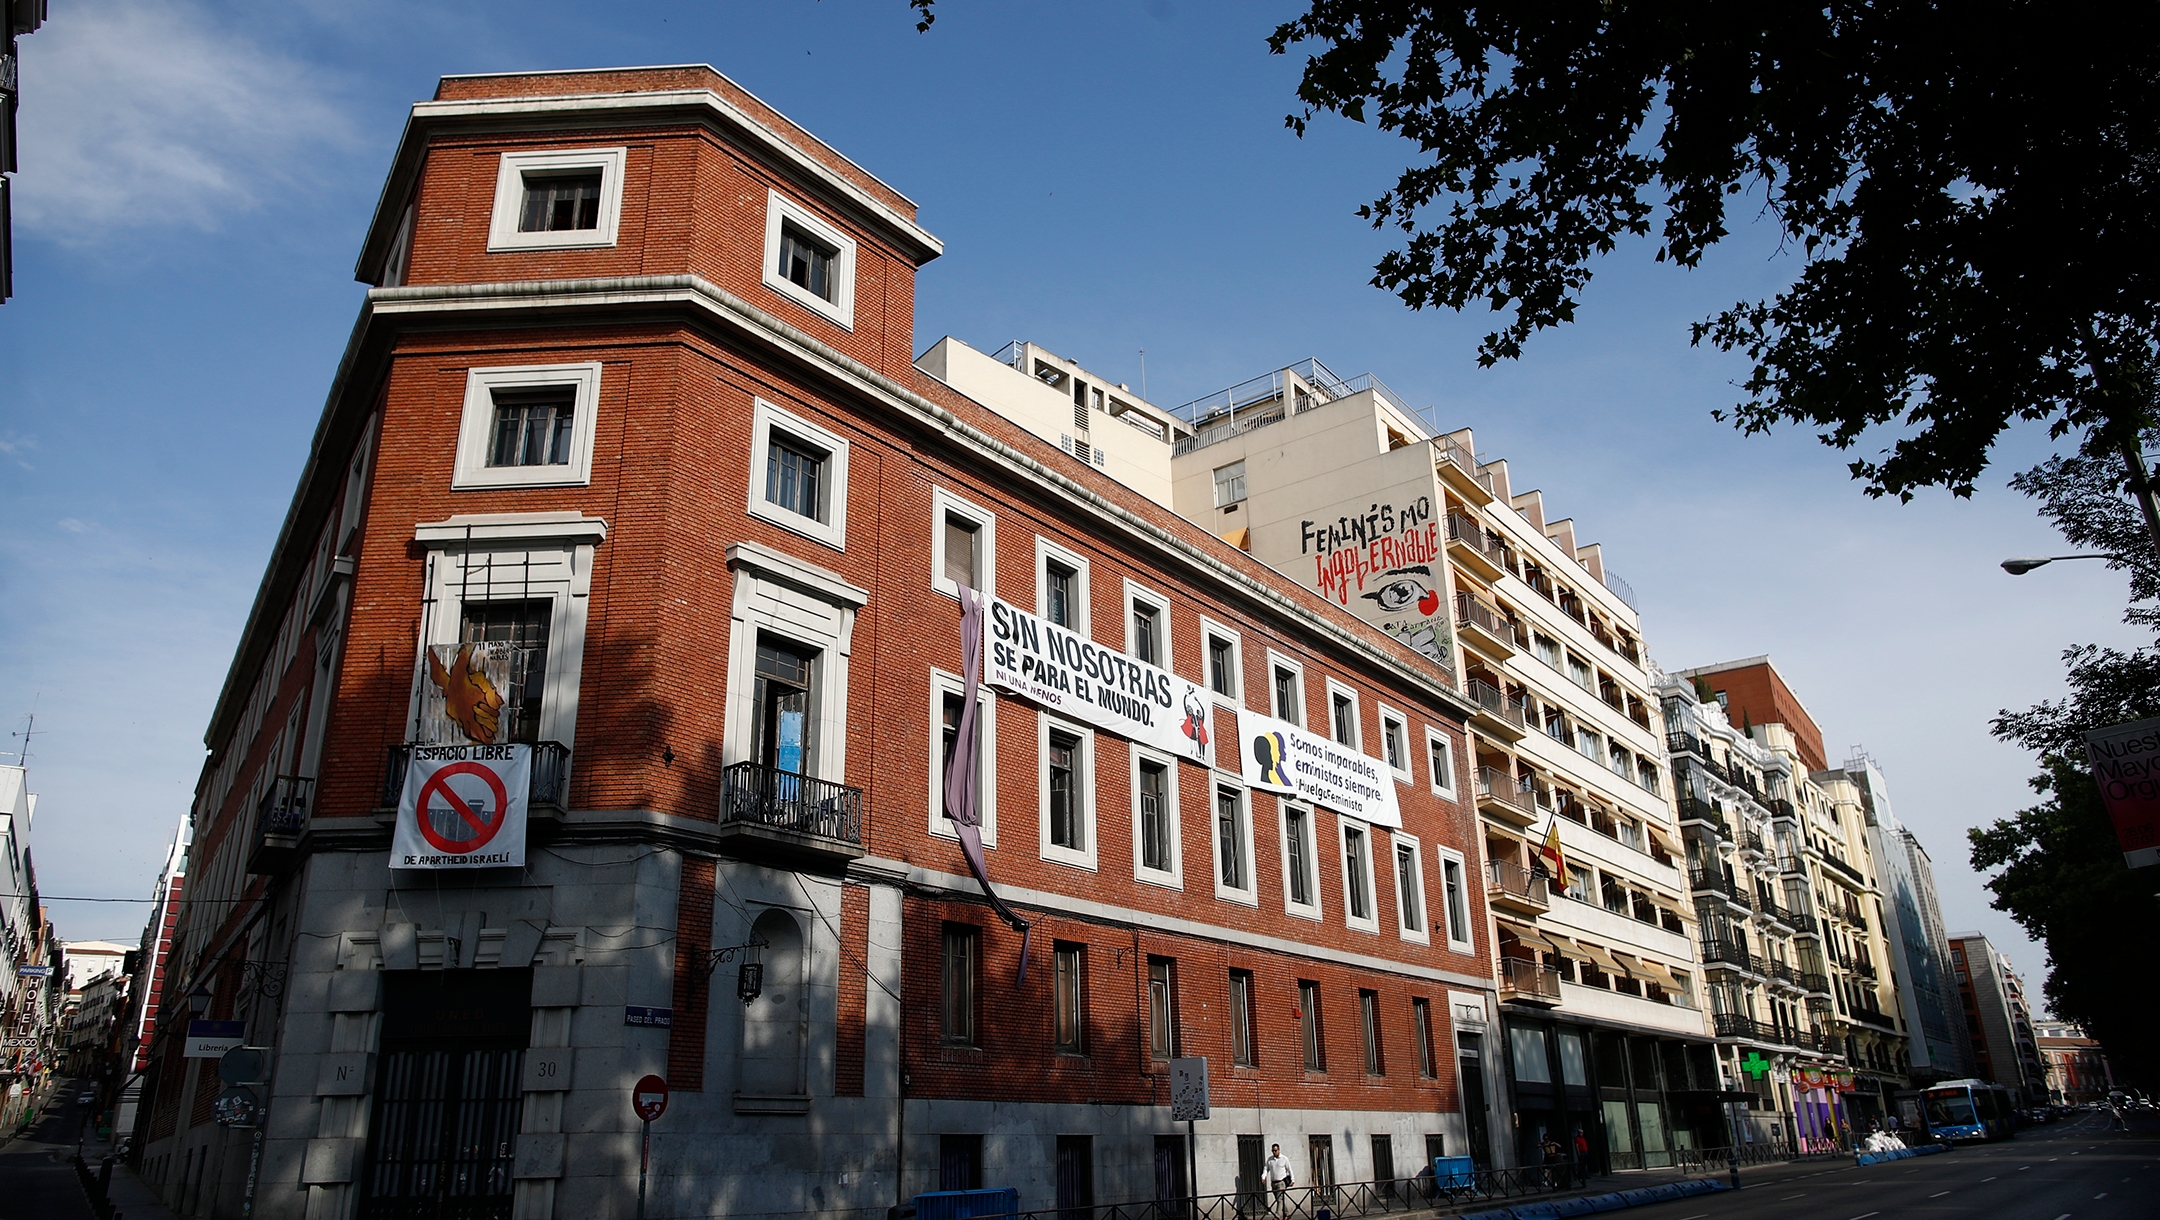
(1968, 1110)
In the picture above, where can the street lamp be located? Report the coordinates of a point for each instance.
(2018, 567)
(198, 1000)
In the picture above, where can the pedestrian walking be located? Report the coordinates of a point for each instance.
(1277, 1173)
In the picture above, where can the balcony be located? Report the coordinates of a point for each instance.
(1458, 468)
(1480, 551)
(1485, 628)
(1770, 912)
(1726, 953)
(1528, 982)
(1814, 982)
(550, 775)
(1515, 890)
(1802, 923)
(1497, 716)
(1733, 1025)
(280, 818)
(1782, 808)
(1694, 809)
(1505, 797)
(1686, 743)
(1876, 1017)
(773, 814)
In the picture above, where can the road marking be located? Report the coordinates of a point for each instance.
(1987, 1179)
(2023, 1168)
(2064, 1216)
(1938, 1194)
(1865, 1215)
(1791, 1197)
(2101, 1195)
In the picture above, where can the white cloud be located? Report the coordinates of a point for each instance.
(143, 114)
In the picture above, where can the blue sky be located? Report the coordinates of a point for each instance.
(1107, 178)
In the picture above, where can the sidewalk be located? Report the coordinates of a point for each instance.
(130, 1198)
(1765, 1174)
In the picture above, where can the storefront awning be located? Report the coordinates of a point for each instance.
(1565, 945)
(1632, 964)
(1663, 977)
(1528, 936)
(1665, 841)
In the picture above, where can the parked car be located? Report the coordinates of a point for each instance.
(87, 1099)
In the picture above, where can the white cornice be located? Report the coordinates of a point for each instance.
(725, 307)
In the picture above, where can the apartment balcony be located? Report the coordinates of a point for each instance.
(1481, 552)
(550, 775)
(1714, 881)
(1803, 924)
(1768, 911)
(770, 814)
(1485, 628)
(1814, 982)
(1686, 743)
(1694, 809)
(1497, 716)
(1734, 1025)
(1725, 953)
(1458, 469)
(1750, 842)
(1514, 890)
(1527, 982)
(1782, 808)
(1505, 798)
(1875, 1017)
(280, 819)
(1792, 865)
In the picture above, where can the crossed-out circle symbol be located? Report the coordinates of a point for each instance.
(439, 784)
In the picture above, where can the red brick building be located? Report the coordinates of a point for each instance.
(633, 403)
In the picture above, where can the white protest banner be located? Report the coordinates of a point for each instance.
(1278, 756)
(463, 807)
(1064, 672)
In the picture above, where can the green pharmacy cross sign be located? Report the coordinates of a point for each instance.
(1755, 1065)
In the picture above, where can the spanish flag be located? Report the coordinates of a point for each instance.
(1554, 859)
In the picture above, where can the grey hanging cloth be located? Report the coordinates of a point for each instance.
(961, 785)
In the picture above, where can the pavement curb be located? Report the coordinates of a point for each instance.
(1591, 1204)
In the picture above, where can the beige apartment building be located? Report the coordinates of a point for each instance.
(1339, 483)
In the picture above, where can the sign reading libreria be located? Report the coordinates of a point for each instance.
(1278, 756)
(1062, 670)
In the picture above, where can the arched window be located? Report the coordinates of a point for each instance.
(776, 1025)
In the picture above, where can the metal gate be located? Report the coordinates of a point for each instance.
(444, 1136)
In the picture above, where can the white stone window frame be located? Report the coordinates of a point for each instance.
(779, 595)
(1446, 741)
(1136, 596)
(476, 425)
(840, 310)
(1083, 595)
(1336, 690)
(1422, 934)
(1276, 661)
(1173, 877)
(1211, 630)
(1090, 831)
(1315, 910)
(944, 504)
(553, 555)
(1250, 895)
(941, 685)
(767, 418)
(1407, 772)
(1463, 939)
(1344, 824)
(503, 234)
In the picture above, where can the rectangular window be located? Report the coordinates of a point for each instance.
(1297, 845)
(533, 428)
(1162, 1008)
(961, 942)
(960, 1162)
(1526, 1045)
(1309, 1026)
(524, 627)
(805, 261)
(557, 203)
(1230, 838)
(1421, 1017)
(794, 477)
(1075, 1176)
(1343, 719)
(1369, 1025)
(1458, 912)
(1357, 882)
(1407, 886)
(1241, 1019)
(1066, 828)
(1578, 672)
(1222, 666)
(1440, 758)
(1154, 817)
(949, 733)
(960, 551)
(780, 732)
(1230, 484)
(1288, 705)
(1147, 633)
(1383, 1164)
(1071, 984)
(1391, 744)
(1060, 590)
(1548, 650)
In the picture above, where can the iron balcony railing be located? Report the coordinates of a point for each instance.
(1695, 809)
(1494, 700)
(283, 811)
(550, 774)
(1734, 1025)
(1523, 979)
(1484, 541)
(1501, 786)
(1474, 611)
(1815, 981)
(768, 796)
(1508, 877)
(1685, 743)
(1781, 808)
(1712, 880)
(1462, 459)
(1728, 953)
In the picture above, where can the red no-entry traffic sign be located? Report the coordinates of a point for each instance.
(649, 1098)
(438, 785)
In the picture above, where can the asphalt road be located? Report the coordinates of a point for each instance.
(37, 1172)
(2076, 1169)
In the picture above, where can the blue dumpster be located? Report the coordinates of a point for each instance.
(1454, 1176)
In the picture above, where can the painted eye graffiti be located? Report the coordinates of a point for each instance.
(1402, 587)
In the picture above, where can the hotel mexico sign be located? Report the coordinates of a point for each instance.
(2126, 764)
